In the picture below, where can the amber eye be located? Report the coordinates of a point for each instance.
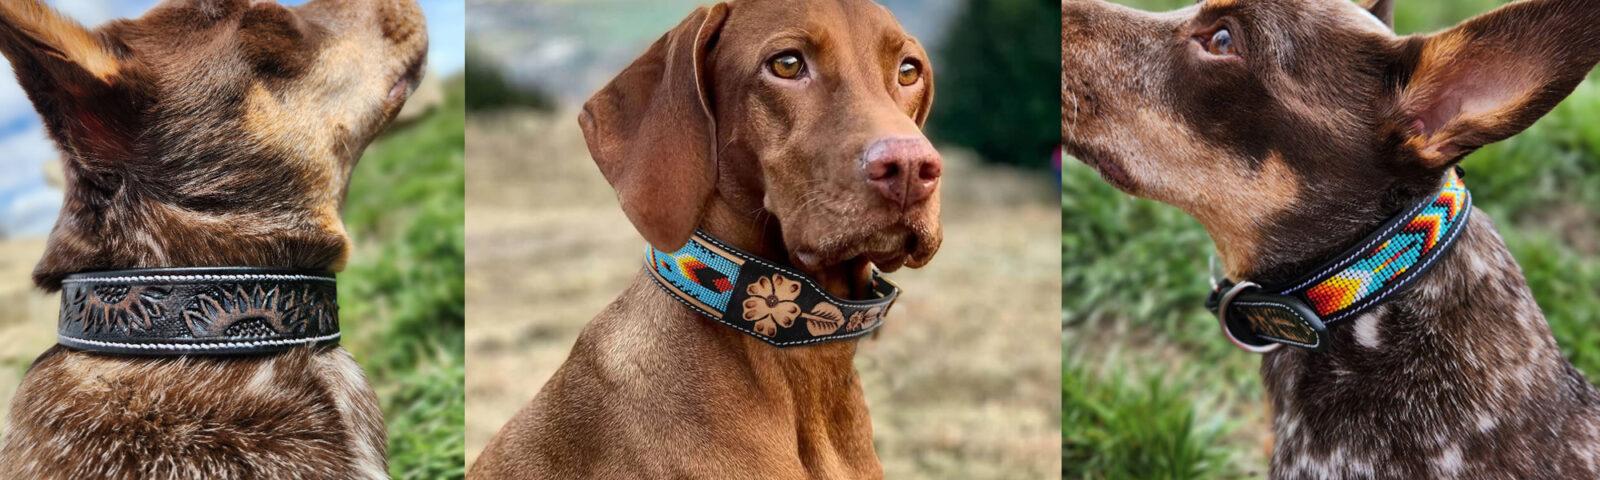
(910, 73)
(787, 66)
(1221, 43)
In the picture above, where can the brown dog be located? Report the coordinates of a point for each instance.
(205, 133)
(1294, 128)
(790, 129)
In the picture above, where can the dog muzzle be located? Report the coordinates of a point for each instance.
(764, 299)
(1261, 319)
(198, 311)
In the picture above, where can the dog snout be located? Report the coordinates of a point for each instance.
(905, 171)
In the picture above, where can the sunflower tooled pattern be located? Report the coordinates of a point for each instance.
(197, 311)
(256, 311)
(117, 308)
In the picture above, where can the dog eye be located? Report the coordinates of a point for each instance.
(787, 66)
(1221, 43)
(910, 73)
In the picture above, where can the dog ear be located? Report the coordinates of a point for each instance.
(75, 79)
(1493, 76)
(652, 133)
(1383, 9)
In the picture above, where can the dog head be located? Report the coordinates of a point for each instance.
(1289, 127)
(211, 132)
(807, 113)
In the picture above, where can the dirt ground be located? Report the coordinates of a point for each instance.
(27, 316)
(973, 392)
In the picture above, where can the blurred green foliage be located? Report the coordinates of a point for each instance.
(1116, 427)
(1139, 268)
(993, 95)
(402, 295)
(489, 89)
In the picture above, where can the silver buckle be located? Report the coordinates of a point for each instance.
(1222, 320)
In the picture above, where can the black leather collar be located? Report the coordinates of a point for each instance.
(762, 298)
(1260, 319)
(198, 311)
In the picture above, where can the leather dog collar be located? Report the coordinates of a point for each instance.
(198, 311)
(1260, 319)
(761, 298)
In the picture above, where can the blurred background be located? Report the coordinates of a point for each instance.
(971, 392)
(401, 295)
(1150, 388)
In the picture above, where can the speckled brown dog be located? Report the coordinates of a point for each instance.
(789, 129)
(205, 133)
(1293, 128)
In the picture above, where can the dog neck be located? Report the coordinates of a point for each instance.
(812, 392)
(761, 238)
(1435, 381)
(102, 230)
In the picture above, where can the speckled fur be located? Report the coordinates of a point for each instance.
(205, 133)
(1312, 130)
(1461, 380)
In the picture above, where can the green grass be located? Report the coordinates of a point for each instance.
(1114, 426)
(402, 295)
(1139, 269)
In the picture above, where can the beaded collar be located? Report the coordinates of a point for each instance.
(764, 299)
(1263, 318)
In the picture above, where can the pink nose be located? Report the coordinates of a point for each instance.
(905, 170)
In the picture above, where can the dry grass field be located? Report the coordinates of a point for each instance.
(27, 316)
(973, 392)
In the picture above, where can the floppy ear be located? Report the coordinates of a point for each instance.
(1493, 76)
(75, 80)
(652, 133)
(1383, 9)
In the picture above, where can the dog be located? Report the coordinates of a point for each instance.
(787, 129)
(1291, 129)
(205, 133)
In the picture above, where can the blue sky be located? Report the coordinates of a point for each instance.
(28, 206)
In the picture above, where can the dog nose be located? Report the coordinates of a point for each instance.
(905, 170)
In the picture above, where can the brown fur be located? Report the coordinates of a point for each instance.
(698, 133)
(205, 133)
(1320, 127)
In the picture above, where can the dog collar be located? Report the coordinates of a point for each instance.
(198, 311)
(1261, 319)
(761, 298)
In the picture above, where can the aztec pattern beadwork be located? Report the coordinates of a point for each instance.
(1384, 263)
(761, 298)
(187, 311)
(1416, 239)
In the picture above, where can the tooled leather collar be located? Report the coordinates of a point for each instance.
(1261, 319)
(761, 298)
(198, 311)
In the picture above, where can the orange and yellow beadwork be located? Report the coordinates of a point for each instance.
(1393, 257)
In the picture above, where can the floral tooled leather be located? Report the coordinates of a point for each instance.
(215, 311)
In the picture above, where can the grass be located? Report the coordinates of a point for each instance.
(1135, 272)
(402, 295)
(1139, 427)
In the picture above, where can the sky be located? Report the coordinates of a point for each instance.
(28, 206)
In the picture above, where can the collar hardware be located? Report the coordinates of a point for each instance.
(198, 311)
(1261, 319)
(766, 300)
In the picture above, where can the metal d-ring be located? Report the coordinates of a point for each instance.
(1222, 320)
